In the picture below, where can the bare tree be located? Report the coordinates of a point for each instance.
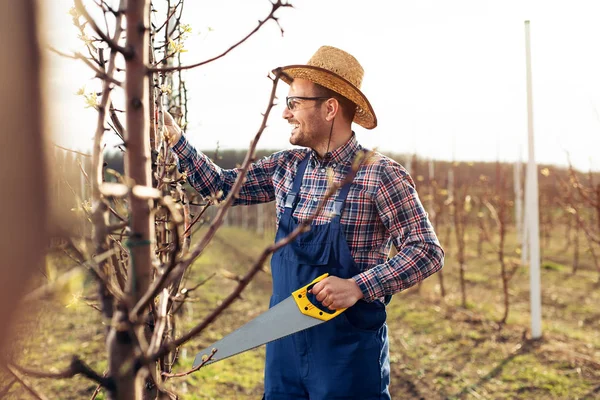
(460, 206)
(500, 216)
(582, 201)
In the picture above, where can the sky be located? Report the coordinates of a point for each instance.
(447, 79)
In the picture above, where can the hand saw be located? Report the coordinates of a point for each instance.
(292, 315)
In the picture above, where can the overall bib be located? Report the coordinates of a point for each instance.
(344, 358)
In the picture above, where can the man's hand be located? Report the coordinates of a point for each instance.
(171, 132)
(335, 293)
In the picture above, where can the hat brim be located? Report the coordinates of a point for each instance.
(365, 116)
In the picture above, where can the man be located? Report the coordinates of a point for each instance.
(346, 358)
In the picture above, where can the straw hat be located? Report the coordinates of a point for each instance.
(339, 71)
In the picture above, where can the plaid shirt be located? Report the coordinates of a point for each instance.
(382, 208)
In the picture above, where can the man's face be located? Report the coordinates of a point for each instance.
(309, 126)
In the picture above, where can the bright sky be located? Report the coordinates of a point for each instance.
(446, 78)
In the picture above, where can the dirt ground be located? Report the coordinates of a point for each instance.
(439, 350)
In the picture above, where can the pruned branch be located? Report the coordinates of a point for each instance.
(275, 6)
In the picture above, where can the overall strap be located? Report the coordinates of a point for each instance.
(338, 205)
(292, 197)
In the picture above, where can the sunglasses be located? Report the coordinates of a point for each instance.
(292, 102)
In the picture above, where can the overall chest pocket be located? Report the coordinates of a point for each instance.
(307, 253)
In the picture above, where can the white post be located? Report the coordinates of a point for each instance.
(518, 167)
(532, 212)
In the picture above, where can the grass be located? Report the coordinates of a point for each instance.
(438, 349)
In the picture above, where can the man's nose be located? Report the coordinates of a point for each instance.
(287, 114)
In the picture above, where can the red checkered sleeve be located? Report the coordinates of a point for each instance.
(211, 180)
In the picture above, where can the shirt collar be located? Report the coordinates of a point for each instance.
(343, 154)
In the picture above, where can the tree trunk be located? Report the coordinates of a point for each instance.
(23, 236)
(121, 341)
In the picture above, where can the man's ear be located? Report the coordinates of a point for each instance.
(333, 108)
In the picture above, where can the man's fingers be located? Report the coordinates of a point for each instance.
(318, 287)
(322, 295)
(168, 118)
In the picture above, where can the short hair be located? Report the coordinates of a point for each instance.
(348, 106)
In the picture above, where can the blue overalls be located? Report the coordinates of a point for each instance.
(344, 358)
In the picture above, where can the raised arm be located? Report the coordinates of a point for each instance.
(211, 180)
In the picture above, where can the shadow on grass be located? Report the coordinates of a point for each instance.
(526, 347)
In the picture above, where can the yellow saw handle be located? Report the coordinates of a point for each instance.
(308, 308)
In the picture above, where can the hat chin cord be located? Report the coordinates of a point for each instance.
(329, 140)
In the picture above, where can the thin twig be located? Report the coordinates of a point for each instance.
(186, 293)
(196, 219)
(73, 151)
(275, 7)
(201, 283)
(196, 368)
(118, 126)
(96, 392)
(99, 73)
(7, 388)
(110, 42)
(45, 290)
(32, 391)
(169, 17)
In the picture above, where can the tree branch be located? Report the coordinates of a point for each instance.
(202, 364)
(7, 388)
(127, 53)
(45, 290)
(28, 387)
(196, 219)
(169, 17)
(118, 126)
(76, 367)
(99, 73)
(72, 151)
(275, 6)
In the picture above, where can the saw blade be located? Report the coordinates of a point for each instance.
(279, 321)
